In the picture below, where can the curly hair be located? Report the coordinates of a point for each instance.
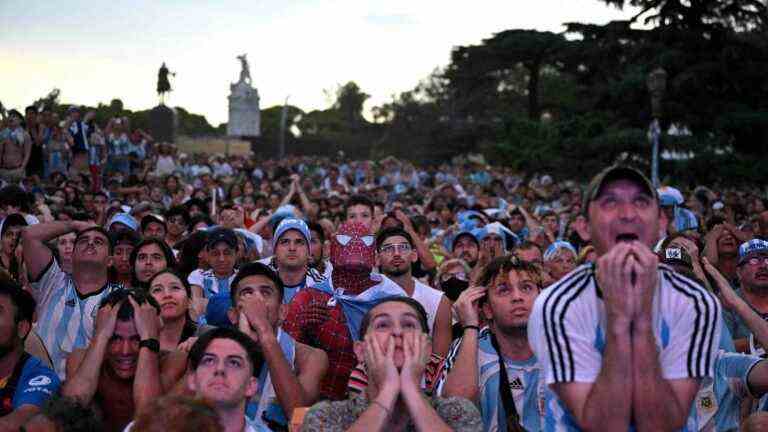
(70, 415)
(178, 414)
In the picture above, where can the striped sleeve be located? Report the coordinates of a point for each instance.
(51, 278)
(446, 366)
(696, 322)
(563, 331)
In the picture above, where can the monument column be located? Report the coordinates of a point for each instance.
(162, 119)
(244, 113)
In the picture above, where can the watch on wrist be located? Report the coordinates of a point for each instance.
(151, 344)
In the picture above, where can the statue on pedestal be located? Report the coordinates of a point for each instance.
(244, 113)
(245, 71)
(163, 84)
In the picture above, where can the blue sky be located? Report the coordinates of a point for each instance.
(98, 50)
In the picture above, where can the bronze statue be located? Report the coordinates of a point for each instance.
(163, 84)
(245, 72)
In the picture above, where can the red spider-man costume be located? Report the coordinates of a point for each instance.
(353, 260)
(316, 319)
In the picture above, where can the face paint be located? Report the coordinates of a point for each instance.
(352, 247)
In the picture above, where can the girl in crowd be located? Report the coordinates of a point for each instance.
(173, 294)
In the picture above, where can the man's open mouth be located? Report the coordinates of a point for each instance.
(626, 237)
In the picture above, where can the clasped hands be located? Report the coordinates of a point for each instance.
(628, 276)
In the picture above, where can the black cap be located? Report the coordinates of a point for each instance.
(612, 173)
(146, 220)
(677, 256)
(225, 235)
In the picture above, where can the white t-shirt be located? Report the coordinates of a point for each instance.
(567, 331)
(429, 298)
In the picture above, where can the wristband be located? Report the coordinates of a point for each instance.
(473, 327)
(150, 344)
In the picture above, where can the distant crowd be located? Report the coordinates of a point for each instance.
(145, 289)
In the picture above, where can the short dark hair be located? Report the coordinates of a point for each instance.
(69, 414)
(507, 263)
(14, 195)
(251, 348)
(392, 232)
(126, 313)
(316, 227)
(202, 217)
(178, 211)
(420, 311)
(255, 269)
(23, 302)
(197, 202)
(124, 236)
(359, 200)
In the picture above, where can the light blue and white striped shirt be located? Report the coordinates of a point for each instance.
(65, 318)
(717, 406)
(567, 331)
(525, 384)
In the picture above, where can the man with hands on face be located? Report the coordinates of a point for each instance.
(119, 372)
(395, 348)
(292, 372)
(624, 343)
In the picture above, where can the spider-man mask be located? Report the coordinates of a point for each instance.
(352, 247)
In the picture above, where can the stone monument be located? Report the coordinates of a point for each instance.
(162, 119)
(163, 123)
(244, 114)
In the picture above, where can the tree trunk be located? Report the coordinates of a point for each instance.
(534, 69)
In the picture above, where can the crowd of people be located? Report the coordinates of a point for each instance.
(145, 289)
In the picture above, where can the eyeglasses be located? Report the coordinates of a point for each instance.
(460, 276)
(395, 247)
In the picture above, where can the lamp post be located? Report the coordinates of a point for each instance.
(657, 86)
(283, 121)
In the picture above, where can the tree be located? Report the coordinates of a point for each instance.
(495, 66)
(349, 102)
(51, 100)
(700, 15)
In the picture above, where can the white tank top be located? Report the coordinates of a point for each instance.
(429, 298)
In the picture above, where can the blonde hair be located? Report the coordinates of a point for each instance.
(585, 251)
(450, 263)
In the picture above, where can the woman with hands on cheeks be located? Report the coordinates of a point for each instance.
(395, 349)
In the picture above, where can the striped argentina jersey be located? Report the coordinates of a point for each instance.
(65, 319)
(525, 383)
(567, 331)
(717, 406)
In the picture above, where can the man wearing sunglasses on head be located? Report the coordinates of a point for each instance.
(752, 271)
(328, 315)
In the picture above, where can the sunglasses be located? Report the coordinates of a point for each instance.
(460, 276)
